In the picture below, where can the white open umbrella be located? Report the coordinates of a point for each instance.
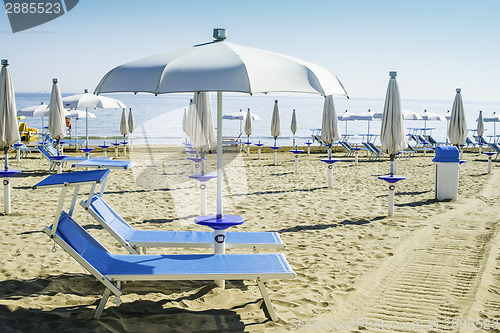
(494, 118)
(57, 122)
(90, 101)
(124, 130)
(457, 130)
(367, 115)
(248, 129)
(330, 132)
(77, 114)
(392, 135)
(9, 130)
(222, 67)
(427, 116)
(131, 127)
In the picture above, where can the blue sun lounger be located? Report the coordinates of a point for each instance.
(111, 269)
(106, 164)
(133, 239)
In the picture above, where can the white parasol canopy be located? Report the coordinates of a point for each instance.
(392, 136)
(79, 114)
(457, 130)
(480, 125)
(494, 118)
(248, 123)
(407, 115)
(275, 122)
(220, 66)
(240, 115)
(9, 129)
(90, 101)
(203, 138)
(57, 125)
(41, 110)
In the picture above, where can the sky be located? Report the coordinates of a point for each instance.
(435, 46)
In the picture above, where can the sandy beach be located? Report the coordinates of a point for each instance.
(434, 266)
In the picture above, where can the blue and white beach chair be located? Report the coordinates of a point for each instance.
(133, 239)
(111, 270)
(49, 151)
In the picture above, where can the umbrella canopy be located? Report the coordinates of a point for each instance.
(57, 124)
(457, 130)
(41, 110)
(330, 131)
(9, 130)
(494, 118)
(90, 101)
(79, 114)
(240, 115)
(220, 66)
(275, 122)
(407, 115)
(368, 115)
(480, 125)
(124, 123)
(392, 136)
(293, 124)
(248, 123)
(131, 125)
(203, 138)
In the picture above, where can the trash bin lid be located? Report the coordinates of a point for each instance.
(446, 154)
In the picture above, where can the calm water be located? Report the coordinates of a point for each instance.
(158, 119)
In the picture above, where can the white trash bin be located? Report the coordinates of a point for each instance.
(447, 162)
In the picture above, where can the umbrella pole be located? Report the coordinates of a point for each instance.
(124, 146)
(391, 200)
(393, 166)
(275, 160)
(330, 168)
(248, 145)
(6, 152)
(219, 248)
(86, 128)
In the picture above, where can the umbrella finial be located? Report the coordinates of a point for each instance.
(220, 34)
(459, 90)
(86, 91)
(5, 62)
(275, 101)
(393, 74)
(54, 80)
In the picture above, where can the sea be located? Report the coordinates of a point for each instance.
(158, 119)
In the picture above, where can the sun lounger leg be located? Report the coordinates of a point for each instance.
(102, 304)
(267, 300)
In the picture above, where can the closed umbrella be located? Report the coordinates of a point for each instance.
(131, 127)
(124, 130)
(275, 128)
(184, 122)
(392, 136)
(293, 126)
(248, 129)
(457, 130)
(57, 123)
(330, 133)
(222, 67)
(480, 129)
(494, 118)
(9, 131)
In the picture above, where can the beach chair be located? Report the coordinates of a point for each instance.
(375, 152)
(133, 240)
(348, 149)
(25, 151)
(495, 147)
(111, 270)
(470, 145)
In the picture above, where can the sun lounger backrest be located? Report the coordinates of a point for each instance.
(51, 150)
(82, 242)
(44, 151)
(495, 147)
(110, 217)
